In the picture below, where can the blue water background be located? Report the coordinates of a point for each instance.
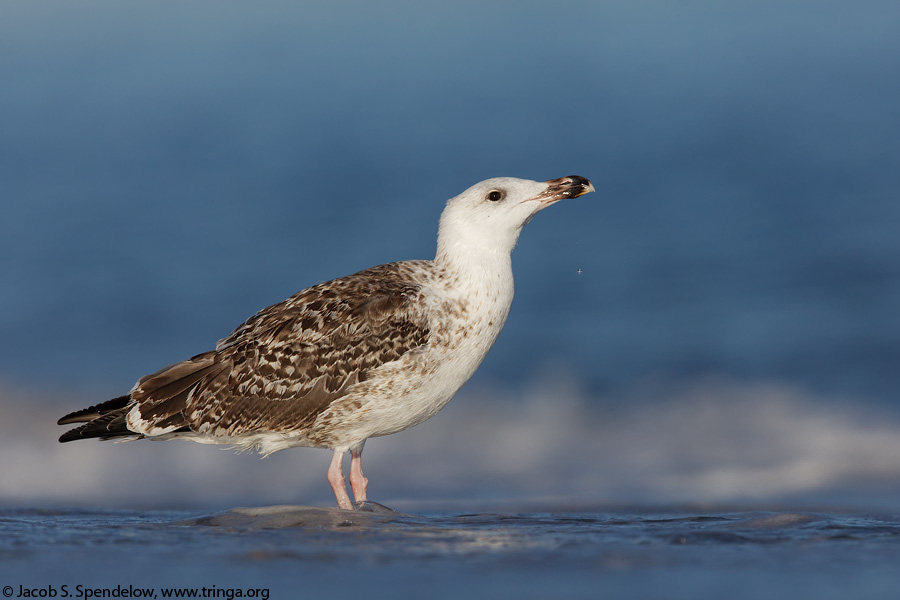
(718, 322)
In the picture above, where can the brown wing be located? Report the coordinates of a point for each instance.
(285, 365)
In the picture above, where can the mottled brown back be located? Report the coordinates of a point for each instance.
(285, 365)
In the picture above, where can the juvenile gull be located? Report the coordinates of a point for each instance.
(362, 356)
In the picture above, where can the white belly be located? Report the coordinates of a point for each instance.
(414, 388)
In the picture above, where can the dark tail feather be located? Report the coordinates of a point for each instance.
(163, 395)
(95, 412)
(105, 420)
(109, 426)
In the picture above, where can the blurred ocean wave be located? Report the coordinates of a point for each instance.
(710, 442)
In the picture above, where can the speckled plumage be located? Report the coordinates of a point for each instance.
(365, 355)
(285, 366)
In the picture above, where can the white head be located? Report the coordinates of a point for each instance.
(487, 218)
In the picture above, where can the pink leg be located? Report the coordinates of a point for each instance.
(336, 479)
(358, 481)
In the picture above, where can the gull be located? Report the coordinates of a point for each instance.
(362, 356)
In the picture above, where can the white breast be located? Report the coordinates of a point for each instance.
(467, 314)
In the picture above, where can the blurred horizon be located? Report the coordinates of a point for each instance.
(169, 169)
(711, 443)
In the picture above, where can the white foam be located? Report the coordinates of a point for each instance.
(707, 442)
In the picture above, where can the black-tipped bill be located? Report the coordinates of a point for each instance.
(566, 187)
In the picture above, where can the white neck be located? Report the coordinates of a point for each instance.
(483, 278)
(477, 269)
(473, 253)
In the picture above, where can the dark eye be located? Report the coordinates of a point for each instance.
(495, 195)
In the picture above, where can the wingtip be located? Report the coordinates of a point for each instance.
(69, 418)
(92, 412)
(69, 436)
